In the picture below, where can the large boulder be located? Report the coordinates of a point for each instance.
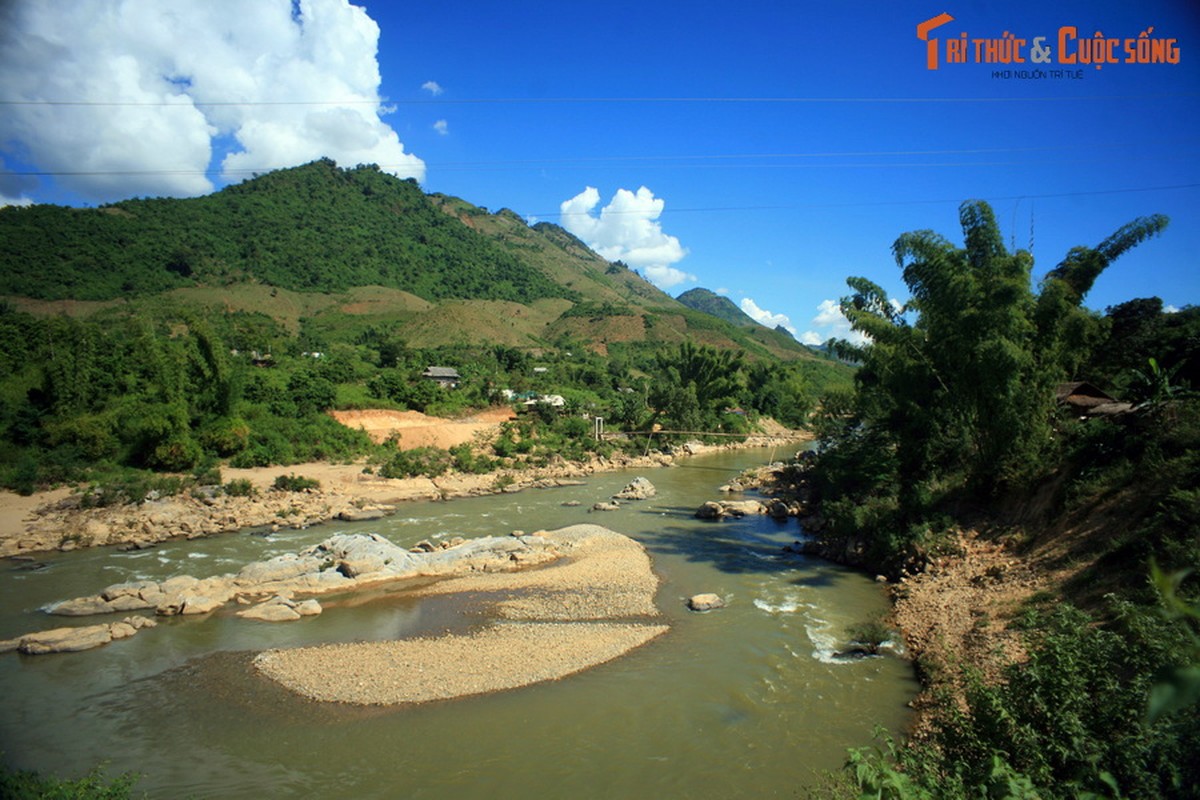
(65, 640)
(743, 508)
(278, 569)
(637, 489)
(355, 555)
(72, 640)
(278, 609)
(199, 604)
(705, 602)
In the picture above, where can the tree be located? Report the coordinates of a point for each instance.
(695, 385)
(967, 386)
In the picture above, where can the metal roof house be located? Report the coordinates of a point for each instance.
(444, 376)
(1088, 401)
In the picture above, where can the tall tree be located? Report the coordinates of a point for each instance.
(968, 384)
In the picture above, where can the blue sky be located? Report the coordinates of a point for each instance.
(780, 146)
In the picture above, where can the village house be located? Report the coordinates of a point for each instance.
(446, 377)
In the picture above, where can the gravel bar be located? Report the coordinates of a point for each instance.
(586, 608)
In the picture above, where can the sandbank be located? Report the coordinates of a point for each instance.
(594, 604)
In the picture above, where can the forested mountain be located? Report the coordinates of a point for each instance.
(165, 334)
(712, 303)
(312, 228)
(304, 242)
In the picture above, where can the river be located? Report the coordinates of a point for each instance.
(745, 701)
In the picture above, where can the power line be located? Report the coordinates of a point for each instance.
(583, 100)
(713, 160)
(868, 203)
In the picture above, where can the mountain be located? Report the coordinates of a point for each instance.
(337, 252)
(718, 306)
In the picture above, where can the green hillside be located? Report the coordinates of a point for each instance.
(311, 228)
(166, 334)
(712, 303)
(335, 252)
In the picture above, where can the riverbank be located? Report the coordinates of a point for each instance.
(57, 520)
(953, 611)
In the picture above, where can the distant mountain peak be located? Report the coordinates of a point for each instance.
(716, 305)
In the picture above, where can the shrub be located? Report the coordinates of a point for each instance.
(428, 461)
(468, 461)
(96, 785)
(295, 483)
(240, 487)
(869, 635)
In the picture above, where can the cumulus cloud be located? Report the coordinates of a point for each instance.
(627, 229)
(442, 127)
(432, 87)
(141, 96)
(831, 323)
(1170, 309)
(764, 317)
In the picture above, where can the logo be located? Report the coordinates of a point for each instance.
(1066, 48)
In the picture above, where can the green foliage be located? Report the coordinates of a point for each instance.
(310, 228)
(240, 487)
(96, 785)
(955, 390)
(295, 483)
(417, 461)
(467, 460)
(408, 389)
(1072, 722)
(128, 486)
(695, 385)
(870, 635)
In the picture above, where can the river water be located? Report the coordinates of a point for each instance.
(746, 701)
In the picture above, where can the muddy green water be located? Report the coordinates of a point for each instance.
(747, 701)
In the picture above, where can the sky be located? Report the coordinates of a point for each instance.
(763, 150)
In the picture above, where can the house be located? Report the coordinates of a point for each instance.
(1086, 400)
(446, 377)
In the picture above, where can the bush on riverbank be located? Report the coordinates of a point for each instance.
(96, 785)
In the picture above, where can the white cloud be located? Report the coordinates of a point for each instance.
(14, 201)
(831, 323)
(722, 291)
(1170, 309)
(764, 317)
(442, 127)
(166, 84)
(432, 87)
(627, 229)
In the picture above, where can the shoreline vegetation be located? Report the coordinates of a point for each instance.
(59, 519)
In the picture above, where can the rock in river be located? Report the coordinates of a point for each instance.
(637, 489)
